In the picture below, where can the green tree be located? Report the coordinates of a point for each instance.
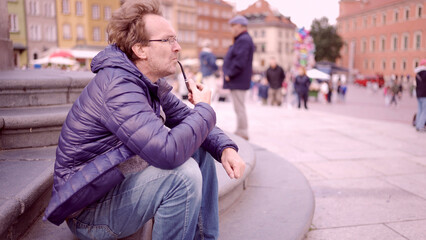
(327, 42)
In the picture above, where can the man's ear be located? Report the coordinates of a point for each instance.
(139, 51)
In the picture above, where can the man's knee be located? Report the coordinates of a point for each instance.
(191, 175)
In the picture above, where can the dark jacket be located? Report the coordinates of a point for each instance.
(118, 116)
(275, 77)
(421, 82)
(301, 84)
(238, 63)
(207, 63)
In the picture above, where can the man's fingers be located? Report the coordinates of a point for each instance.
(200, 86)
(228, 170)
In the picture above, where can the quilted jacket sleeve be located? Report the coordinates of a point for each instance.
(128, 114)
(176, 111)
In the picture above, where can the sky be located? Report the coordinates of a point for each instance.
(301, 12)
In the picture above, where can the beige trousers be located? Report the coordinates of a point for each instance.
(238, 99)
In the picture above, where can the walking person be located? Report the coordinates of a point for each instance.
(129, 150)
(301, 85)
(208, 67)
(394, 92)
(237, 71)
(275, 76)
(421, 96)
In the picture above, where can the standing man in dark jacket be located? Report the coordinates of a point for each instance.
(275, 76)
(421, 95)
(237, 71)
(124, 153)
(208, 67)
(301, 85)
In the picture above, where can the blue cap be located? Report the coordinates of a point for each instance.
(239, 20)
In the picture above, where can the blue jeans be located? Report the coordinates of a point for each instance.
(421, 113)
(183, 202)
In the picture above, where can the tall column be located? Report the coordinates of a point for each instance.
(6, 46)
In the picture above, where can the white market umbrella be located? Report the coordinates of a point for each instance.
(62, 61)
(317, 74)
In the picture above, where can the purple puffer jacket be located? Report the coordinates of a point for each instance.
(118, 116)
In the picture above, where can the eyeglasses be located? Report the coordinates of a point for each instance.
(170, 40)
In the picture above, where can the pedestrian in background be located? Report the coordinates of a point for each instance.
(395, 89)
(263, 91)
(421, 95)
(275, 76)
(301, 85)
(208, 67)
(237, 71)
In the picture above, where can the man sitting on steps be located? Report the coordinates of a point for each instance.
(129, 150)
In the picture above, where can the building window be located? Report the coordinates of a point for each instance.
(96, 34)
(407, 14)
(263, 47)
(364, 22)
(35, 32)
(383, 44)
(417, 40)
(393, 65)
(80, 32)
(14, 23)
(262, 33)
(354, 24)
(384, 19)
(363, 45)
(78, 8)
(395, 43)
(365, 64)
(372, 44)
(374, 21)
(66, 28)
(404, 65)
(405, 42)
(95, 12)
(34, 8)
(384, 65)
(372, 65)
(50, 33)
(49, 9)
(396, 16)
(65, 6)
(416, 63)
(419, 11)
(107, 13)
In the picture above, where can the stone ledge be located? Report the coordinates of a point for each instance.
(31, 127)
(20, 88)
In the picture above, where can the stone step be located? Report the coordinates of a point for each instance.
(23, 127)
(41, 87)
(25, 201)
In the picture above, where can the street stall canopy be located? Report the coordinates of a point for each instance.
(317, 74)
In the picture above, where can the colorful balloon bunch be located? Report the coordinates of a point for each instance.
(304, 49)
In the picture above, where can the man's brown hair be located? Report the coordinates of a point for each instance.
(127, 25)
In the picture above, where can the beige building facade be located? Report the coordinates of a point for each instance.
(272, 34)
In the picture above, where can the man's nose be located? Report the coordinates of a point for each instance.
(176, 47)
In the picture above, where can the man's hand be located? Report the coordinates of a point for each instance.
(199, 93)
(227, 78)
(232, 163)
